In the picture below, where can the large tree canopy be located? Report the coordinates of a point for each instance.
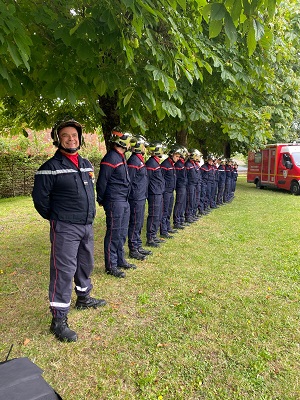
(208, 69)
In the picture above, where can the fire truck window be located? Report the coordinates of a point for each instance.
(285, 158)
(257, 158)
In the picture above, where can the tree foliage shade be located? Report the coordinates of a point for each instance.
(157, 67)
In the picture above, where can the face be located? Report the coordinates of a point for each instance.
(68, 137)
(175, 157)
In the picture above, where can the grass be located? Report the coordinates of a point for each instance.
(213, 314)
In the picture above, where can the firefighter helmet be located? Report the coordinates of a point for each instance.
(139, 144)
(156, 149)
(175, 149)
(63, 124)
(122, 139)
(194, 154)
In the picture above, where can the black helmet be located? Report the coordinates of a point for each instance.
(63, 124)
(139, 144)
(175, 149)
(120, 138)
(156, 149)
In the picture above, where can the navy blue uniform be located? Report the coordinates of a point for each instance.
(156, 188)
(137, 199)
(234, 179)
(64, 195)
(208, 178)
(192, 179)
(180, 200)
(221, 183)
(198, 189)
(169, 174)
(228, 183)
(113, 187)
(214, 188)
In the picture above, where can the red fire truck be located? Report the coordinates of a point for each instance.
(276, 166)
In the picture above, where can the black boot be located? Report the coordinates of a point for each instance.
(88, 302)
(145, 252)
(60, 328)
(137, 255)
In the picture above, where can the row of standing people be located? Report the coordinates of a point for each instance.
(177, 188)
(64, 194)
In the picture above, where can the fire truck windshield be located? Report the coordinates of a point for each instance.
(296, 157)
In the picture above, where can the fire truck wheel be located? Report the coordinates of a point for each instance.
(295, 188)
(258, 185)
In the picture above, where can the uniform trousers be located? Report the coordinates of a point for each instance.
(190, 201)
(179, 207)
(167, 208)
(154, 214)
(72, 257)
(136, 221)
(220, 194)
(117, 220)
(207, 200)
(213, 194)
(203, 195)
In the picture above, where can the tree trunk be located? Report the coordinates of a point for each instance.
(181, 137)
(111, 119)
(227, 150)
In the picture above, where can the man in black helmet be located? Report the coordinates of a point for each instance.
(63, 193)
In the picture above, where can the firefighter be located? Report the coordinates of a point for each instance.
(214, 190)
(192, 181)
(113, 188)
(197, 209)
(228, 181)
(234, 177)
(156, 188)
(221, 182)
(169, 174)
(207, 182)
(63, 193)
(137, 197)
(181, 184)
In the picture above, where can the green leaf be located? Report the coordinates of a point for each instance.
(267, 40)
(218, 11)
(271, 8)
(206, 12)
(215, 27)
(13, 51)
(259, 30)
(230, 29)
(182, 4)
(171, 109)
(128, 97)
(236, 10)
(251, 42)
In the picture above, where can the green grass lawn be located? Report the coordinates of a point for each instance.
(212, 314)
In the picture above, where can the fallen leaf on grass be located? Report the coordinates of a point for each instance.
(162, 344)
(26, 341)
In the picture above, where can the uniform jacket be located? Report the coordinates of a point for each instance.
(181, 176)
(156, 182)
(138, 176)
(228, 171)
(169, 174)
(64, 192)
(222, 174)
(234, 174)
(113, 183)
(191, 172)
(207, 173)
